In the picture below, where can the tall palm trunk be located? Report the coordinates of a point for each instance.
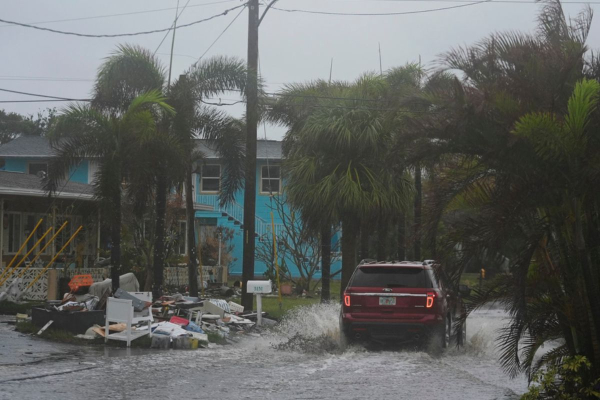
(382, 240)
(115, 233)
(418, 202)
(365, 231)
(591, 284)
(325, 262)
(349, 234)
(191, 235)
(159, 237)
(402, 237)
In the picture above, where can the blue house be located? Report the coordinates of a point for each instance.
(25, 159)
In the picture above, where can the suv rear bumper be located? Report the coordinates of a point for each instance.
(393, 329)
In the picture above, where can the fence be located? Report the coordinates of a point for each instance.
(178, 276)
(39, 291)
(174, 276)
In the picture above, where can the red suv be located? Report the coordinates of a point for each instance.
(402, 301)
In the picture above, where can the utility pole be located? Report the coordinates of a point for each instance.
(250, 171)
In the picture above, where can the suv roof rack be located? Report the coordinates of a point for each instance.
(367, 261)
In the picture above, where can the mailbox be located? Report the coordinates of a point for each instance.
(259, 287)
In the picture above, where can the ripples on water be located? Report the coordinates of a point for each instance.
(298, 359)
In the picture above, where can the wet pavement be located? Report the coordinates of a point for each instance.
(274, 366)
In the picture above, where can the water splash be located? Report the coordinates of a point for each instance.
(312, 329)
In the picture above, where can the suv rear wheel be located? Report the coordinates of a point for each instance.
(446, 334)
(461, 336)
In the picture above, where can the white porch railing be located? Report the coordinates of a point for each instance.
(236, 211)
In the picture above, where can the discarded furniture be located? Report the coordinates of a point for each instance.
(76, 322)
(121, 310)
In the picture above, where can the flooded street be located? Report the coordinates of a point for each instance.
(298, 361)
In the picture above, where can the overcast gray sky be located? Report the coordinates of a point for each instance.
(294, 47)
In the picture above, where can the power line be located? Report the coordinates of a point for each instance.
(42, 95)
(175, 54)
(41, 79)
(39, 101)
(221, 34)
(121, 14)
(58, 98)
(380, 14)
(120, 34)
(172, 26)
(223, 104)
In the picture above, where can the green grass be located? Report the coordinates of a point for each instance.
(271, 304)
(214, 337)
(470, 279)
(288, 303)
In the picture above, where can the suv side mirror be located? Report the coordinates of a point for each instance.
(464, 290)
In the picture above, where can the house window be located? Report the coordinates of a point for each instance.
(270, 179)
(211, 179)
(29, 223)
(65, 234)
(36, 168)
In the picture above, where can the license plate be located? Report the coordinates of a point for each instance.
(387, 301)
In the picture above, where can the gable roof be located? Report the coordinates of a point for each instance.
(19, 183)
(27, 146)
(39, 147)
(265, 149)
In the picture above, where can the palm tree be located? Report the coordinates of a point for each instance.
(132, 70)
(515, 149)
(336, 152)
(111, 138)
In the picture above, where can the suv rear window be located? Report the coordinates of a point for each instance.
(391, 277)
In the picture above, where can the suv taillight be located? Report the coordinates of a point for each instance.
(430, 297)
(347, 300)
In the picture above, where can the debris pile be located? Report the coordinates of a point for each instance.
(193, 317)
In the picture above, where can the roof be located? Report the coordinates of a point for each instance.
(19, 183)
(265, 149)
(39, 147)
(27, 146)
(404, 264)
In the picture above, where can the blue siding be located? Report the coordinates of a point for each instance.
(263, 211)
(15, 165)
(77, 174)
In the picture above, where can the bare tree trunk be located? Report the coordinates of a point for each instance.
(418, 202)
(349, 234)
(159, 238)
(191, 235)
(325, 262)
(149, 279)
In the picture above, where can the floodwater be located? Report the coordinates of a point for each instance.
(300, 360)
